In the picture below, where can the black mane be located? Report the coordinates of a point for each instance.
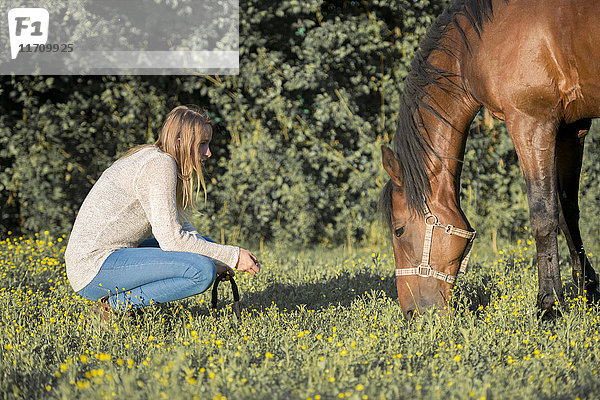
(409, 142)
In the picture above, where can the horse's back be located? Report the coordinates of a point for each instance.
(538, 58)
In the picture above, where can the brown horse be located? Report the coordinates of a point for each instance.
(534, 64)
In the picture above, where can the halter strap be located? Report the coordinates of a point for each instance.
(236, 295)
(424, 268)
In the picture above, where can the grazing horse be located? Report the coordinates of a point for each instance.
(535, 65)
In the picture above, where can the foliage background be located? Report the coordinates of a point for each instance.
(296, 156)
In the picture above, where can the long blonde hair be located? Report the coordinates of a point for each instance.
(183, 130)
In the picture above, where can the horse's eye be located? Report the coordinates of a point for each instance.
(399, 231)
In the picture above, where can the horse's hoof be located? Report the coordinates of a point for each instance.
(549, 314)
(549, 308)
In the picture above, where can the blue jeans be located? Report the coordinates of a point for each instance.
(138, 277)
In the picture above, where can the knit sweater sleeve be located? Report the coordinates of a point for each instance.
(155, 188)
(189, 227)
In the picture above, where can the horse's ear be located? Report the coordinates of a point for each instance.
(391, 165)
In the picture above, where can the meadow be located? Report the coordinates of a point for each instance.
(316, 324)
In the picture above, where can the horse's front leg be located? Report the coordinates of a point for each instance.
(535, 143)
(570, 144)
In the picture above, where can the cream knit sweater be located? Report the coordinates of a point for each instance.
(135, 197)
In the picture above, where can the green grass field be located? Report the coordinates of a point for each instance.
(316, 325)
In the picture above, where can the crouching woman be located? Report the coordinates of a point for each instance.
(110, 256)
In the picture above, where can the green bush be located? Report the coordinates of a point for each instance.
(296, 149)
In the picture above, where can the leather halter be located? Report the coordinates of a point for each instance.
(424, 269)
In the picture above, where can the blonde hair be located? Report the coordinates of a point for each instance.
(183, 130)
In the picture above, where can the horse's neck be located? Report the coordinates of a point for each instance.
(449, 96)
(437, 109)
(447, 135)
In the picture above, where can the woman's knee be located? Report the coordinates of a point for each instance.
(201, 270)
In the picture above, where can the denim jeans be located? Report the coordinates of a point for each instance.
(138, 277)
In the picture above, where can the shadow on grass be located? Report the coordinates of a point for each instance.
(340, 291)
(473, 293)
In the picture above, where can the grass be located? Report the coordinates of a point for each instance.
(316, 325)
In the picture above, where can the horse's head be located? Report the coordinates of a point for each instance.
(429, 247)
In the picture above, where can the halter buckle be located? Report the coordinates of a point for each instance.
(449, 229)
(435, 220)
(425, 268)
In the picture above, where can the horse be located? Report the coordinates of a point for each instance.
(535, 65)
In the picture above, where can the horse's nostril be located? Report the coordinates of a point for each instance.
(409, 314)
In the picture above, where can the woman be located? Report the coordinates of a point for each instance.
(146, 192)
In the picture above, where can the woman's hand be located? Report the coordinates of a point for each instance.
(247, 262)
